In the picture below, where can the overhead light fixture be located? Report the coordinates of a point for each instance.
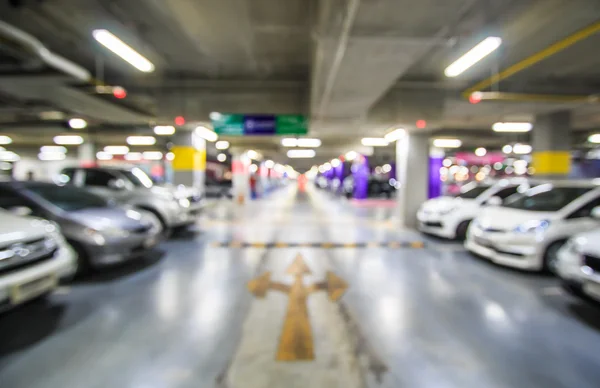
(336, 162)
(152, 155)
(480, 151)
(309, 143)
(141, 140)
(47, 149)
(396, 134)
(221, 157)
(77, 123)
(164, 130)
(253, 155)
(51, 156)
(101, 155)
(9, 156)
(133, 156)
(52, 115)
(447, 143)
(351, 155)
(512, 127)
(507, 149)
(374, 142)
(120, 48)
(289, 142)
(476, 54)
(4, 140)
(595, 138)
(269, 164)
(301, 154)
(522, 149)
(215, 116)
(170, 156)
(68, 140)
(222, 145)
(116, 150)
(206, 133)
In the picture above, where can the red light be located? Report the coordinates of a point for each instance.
(179, 120)
(119, 92)
(475, 97)
(421, 124)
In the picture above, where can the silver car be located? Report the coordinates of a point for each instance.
(176, 208)
(101, 233)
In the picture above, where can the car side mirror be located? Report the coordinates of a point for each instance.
(22, 211)
(595, 213)
(116, 184)
(494, 201)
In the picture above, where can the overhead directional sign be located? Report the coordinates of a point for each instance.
(296, 341)
(257, 125)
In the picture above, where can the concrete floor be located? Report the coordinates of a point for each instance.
(433, 317)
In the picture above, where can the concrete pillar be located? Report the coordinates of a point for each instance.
(86, 154)
(189, 163)
(240, 169)
(552, 144)
(412, 169)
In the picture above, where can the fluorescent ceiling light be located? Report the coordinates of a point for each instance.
(51, 156)
(4, 140)
(396, 134)
(68, 140)
(133, 156)
(222, 145)
(52, 115)
(77, 123)
(101, 155)
(206, 133)
(152, 155)
(476, 54)
(309, 143)
(595, 138)
(300, 154)
(141, 140)
(512, 127)
(9, 156)
(119, 47)
(522, 149)
(116, 150)
(164, 130)
(374, 142)
(46, 149)
(447, 143)
(215, 116)
(289, 142)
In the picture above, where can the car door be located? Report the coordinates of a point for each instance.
(577, 221)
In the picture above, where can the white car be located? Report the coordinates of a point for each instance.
(449, 217)
(579, 263)
(33, 258)
(529, 228)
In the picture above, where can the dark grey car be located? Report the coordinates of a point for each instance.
(101, 233)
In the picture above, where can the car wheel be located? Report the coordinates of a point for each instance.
(551, 256)
(83, 261)
(461, 230)
(165, 232)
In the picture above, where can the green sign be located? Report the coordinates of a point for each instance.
(257, 125)
(291, 125)
(229, 125)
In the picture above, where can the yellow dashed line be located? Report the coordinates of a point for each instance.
(417, 244)
(281, 245)
(258, 245)
(326, 245)
(350, 245)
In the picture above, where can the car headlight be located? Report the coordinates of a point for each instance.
(94, 236)
(184, 202)
(533, 226)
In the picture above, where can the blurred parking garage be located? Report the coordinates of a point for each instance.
(327, 193)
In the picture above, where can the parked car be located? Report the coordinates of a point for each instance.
(579, 263)
(376, 188)
(175, 207)
(101, 233)
(33, 258)
(529, 228)
(450, 216)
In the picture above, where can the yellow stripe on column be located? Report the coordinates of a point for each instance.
(187, 158)
(552, 162)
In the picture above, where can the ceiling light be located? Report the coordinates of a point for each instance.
(119, 47)
(221, 157)
(298, 154)
(374, 142)
(9, 156)
(206, 133)
(53, 149)
(522, 149)
(269, 164)
(164, 130)
(222, 145)
(309, 143)
(253, 155)
(133, 156)
(152, 155)
(215, 116)
(507, 149)
(476, 54)
(68, 140)
(595, 138)
(51, 156)
(4, 140)
(447, 143)
(170, 156)
(351, 155)
(289, 142)
(116, 150)
(101, 155)
(480, 151)
(52, 115)
(141, 140)
(512, 127)
(77, 123)
(396, 134)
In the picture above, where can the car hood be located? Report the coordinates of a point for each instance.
(14, 228)
(503, 218)
(103, 218)
(441, 204)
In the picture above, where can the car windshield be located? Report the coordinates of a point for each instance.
(138, 178)
(545, 198)
(68, 198)
(472, 191)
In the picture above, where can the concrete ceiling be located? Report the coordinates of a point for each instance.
(356, 67)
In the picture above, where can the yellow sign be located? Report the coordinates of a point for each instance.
(296, 342)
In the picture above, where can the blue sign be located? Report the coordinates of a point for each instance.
(259, 125)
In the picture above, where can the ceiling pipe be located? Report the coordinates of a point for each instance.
(36, 47)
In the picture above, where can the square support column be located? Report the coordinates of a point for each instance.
(412, 173)
(551, 142)
(189, 163)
